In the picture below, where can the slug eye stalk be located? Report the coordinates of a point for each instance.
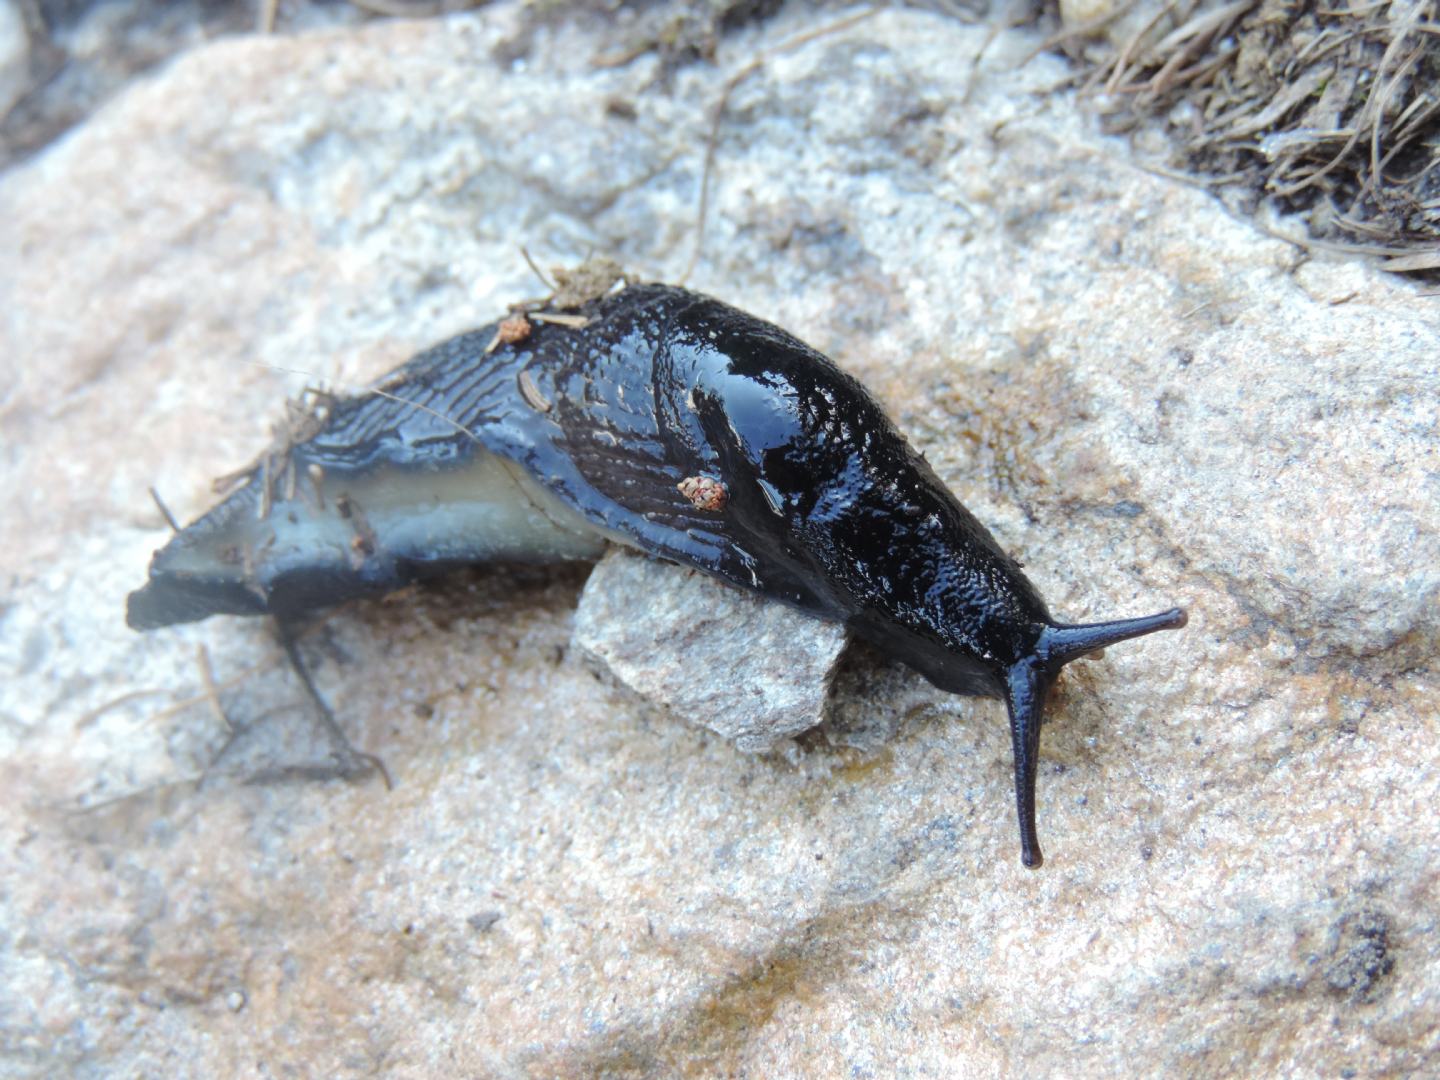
(1029, 681)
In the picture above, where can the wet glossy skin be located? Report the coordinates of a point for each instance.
(827, 508)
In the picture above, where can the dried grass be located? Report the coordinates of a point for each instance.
(1330, 111)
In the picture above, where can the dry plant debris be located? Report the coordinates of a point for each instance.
(1330, 108)
(1327, 109)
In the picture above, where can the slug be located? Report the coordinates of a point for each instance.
(657, 418)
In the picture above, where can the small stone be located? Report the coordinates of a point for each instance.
(1361, 957)
(482, 921)
(751, 670)
(514, 329)
(14, 55)
(704, 492)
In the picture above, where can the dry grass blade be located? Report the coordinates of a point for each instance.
(1327, 110)
(414, 9)
(1122, 62)
(1082, 30)
(1425, 260)
(1203, 27)
(1193, 39)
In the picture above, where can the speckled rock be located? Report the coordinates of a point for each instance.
(753, 672)
(14, 55)
(1146, 399)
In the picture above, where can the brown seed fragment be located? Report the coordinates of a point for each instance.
(511, 331)
(514, 329)
(704, 492)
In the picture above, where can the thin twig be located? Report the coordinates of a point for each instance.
(100, 710)
(212, 692)
(525, 254)
(164, 510)
(720, 106)
(202, 699)
(1122, 62)
(1366, 112)
(997, 28)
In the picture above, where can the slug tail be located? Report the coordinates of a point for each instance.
(1060, 644)
(1026, 687)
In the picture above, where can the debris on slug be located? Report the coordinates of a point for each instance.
(164, 510)
(511, 331)
(704, 492)
(531, 393)
(520, 325)
(589, 281)
(305, 417)
(574, 322)
(593, 279)
(363, 541)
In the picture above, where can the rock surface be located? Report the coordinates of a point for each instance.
(14, 55)
(755, 673)
(1147, 400)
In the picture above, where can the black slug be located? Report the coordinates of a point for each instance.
(657, 418)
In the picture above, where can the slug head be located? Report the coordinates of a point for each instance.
(1028, 681)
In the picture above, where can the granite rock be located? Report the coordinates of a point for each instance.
(14, 55)
(1147, 400)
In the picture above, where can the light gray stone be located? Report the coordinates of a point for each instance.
(14, 55)
(1148, 400)
(753, 672)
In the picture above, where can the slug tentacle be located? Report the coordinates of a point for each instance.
(1059, 645)
(1028, 681)
(652, 417)
(1027, 685)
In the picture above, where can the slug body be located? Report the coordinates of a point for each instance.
(669, 422)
